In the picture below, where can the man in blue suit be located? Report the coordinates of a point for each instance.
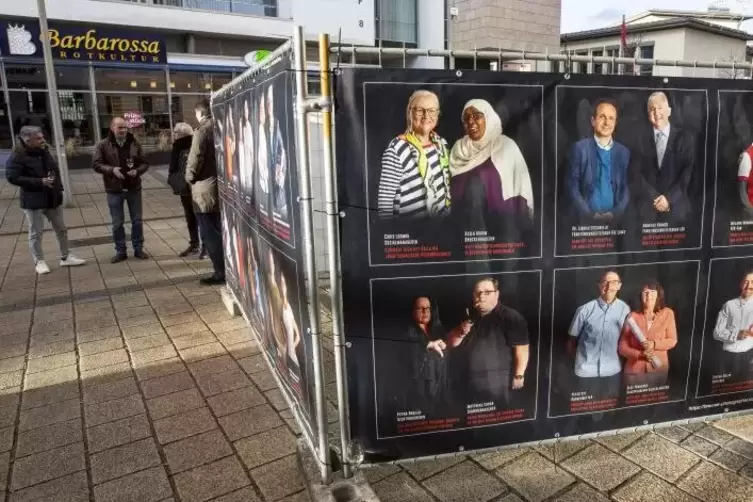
(597, 181)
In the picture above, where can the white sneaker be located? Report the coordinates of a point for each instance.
(42, 268)
(72, 261)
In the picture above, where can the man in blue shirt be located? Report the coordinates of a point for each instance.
(594, 336)
(597, 181)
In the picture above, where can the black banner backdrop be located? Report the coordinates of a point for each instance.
(527, 257)
(255, 141)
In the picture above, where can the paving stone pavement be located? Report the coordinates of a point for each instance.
(131, 383)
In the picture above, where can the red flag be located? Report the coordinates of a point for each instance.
(623, 34)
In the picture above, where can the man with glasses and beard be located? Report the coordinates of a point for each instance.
(490, 349)
(734, 328)
(594, 337)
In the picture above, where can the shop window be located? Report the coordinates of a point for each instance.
(129, 80)
(6, 136)
(147, 116)
(197, 82)
(32, 76)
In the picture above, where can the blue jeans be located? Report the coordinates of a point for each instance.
(116, 201)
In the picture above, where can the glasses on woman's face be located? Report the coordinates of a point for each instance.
(431, 113)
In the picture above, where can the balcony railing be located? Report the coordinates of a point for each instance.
(267, 8)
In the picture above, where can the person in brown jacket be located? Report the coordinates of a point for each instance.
(120, 160)
(201, 174)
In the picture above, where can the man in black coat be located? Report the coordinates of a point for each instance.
(32, 168)
(663, 167)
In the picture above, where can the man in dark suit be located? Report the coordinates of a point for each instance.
(596, 181)
(662, 167)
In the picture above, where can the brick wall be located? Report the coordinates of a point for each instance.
(530, 25)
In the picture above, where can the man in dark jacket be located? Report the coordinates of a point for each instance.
(120, 161)
(201, 174)
(32, 168)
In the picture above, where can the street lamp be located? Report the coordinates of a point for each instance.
(52, 89)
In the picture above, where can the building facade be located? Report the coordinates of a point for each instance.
(669, 35)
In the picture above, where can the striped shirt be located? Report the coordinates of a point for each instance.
(403, 191)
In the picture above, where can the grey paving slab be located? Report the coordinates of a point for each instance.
(113, 410)
(648, 488)
(581, 493)
(48, 415)
(699, 445)
(662, 457)
(145, 486)
(123, 460)
(173, 404)
(249, 422)
(119, 432)
(71, 488)
(711, 483)
(601, 467)
(49, 437)
(401, 488)
(184, 425)
(278, 479)
(197, 450)
(235, 400)
(535, 477)
(212, 480)
(266, 446)
(464, 482)
(48, 465)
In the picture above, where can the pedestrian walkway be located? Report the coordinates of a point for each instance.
(131, 383)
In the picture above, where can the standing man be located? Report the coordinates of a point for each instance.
(597, 181)
(663, 166)
(734, 328)
(201, 174)
(32, 168)
(594, 338)
(490, 349)
(120, 161)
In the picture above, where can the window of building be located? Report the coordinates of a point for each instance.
(647, 52)
(30, 108)
(597, 68)
(580, 68)
(148, 116)
(129, 80)
(196, 82)
(77, 118)
(612, 53)
(32, 76)
(396, 21)
(6, 136)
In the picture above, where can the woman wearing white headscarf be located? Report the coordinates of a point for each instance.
(489, 174)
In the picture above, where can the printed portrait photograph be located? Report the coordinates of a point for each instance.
(621, 336)
(455, 352)
(281, 307)
(453, 171)
(726, 355)
(631, 164)
(244, 104)
(733, 209)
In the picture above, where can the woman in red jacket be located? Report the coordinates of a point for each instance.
(647, 335)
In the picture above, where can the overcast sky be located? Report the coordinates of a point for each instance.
(575, 13)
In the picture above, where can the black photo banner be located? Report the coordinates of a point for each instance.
(255, 146)
(528, 256)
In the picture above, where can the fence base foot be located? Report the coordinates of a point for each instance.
(228, 299)
(354, 489)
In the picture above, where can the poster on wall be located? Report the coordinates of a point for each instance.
(262, 252)
(527, 256)
(631, 166)
(487, 139)
(454, 352)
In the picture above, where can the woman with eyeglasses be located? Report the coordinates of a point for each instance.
(415, 177)
(412, 377)
(648, 334)
(490, 177)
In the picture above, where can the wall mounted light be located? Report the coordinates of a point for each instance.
(208, 87)
(172, 85)
(153, 85)
(134, 84)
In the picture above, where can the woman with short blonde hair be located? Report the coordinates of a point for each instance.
(415, 177)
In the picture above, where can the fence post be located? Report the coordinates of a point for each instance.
(333, 254)
(312, 290)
